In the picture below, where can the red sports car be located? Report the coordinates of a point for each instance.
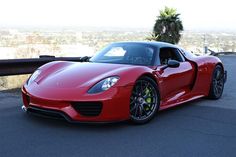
(125, 80)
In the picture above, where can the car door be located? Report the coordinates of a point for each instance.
(174, 82)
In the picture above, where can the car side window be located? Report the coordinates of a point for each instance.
(181, 57)
(170, 53)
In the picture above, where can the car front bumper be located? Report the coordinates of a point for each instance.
(100, 108)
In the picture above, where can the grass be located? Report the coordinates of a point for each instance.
(11, 82)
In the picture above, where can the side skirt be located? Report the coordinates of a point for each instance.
(168, 105)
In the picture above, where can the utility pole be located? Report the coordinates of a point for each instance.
(205, 48)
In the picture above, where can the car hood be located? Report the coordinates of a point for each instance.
(79, 75)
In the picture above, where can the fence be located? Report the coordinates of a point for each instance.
(213, 53)
(27, 66)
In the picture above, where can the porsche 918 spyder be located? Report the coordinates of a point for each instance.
(124, 81)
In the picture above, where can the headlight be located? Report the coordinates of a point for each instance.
(103, 85)
(33, 76)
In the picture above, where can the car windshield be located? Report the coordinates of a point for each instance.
(126, 53)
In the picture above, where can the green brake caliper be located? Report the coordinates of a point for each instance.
(148, 100)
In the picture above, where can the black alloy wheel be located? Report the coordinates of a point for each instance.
(144, 100)
(217, 84)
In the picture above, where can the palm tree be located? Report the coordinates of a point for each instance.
(167, 27)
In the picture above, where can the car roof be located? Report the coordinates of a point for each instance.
(152, 43)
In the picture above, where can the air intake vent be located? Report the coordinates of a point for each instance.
(88, 108)
(45, 113)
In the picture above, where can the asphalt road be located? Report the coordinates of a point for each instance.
(199, 128)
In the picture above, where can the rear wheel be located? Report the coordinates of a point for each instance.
(144, 101)
(217, 84)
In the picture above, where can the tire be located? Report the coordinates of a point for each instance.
(144, 100)
(217, 83)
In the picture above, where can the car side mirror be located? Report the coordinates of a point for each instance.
(173, 63)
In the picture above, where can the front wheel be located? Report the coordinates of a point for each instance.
(144, 101)
(217, 83)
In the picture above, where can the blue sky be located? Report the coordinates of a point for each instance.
(195, 14)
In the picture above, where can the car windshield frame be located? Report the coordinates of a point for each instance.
(124, 47)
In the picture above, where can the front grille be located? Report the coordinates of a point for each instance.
(46, 113)
(88, 108)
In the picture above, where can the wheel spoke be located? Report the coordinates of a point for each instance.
(136, 112)
(132, 100)
(217, 75)
(134, 107)
(140, 111)
(144, 91)
(146, 97)
(145, 112)
(134, 93)
(136, 90)
(216, 90)
(141, 86)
